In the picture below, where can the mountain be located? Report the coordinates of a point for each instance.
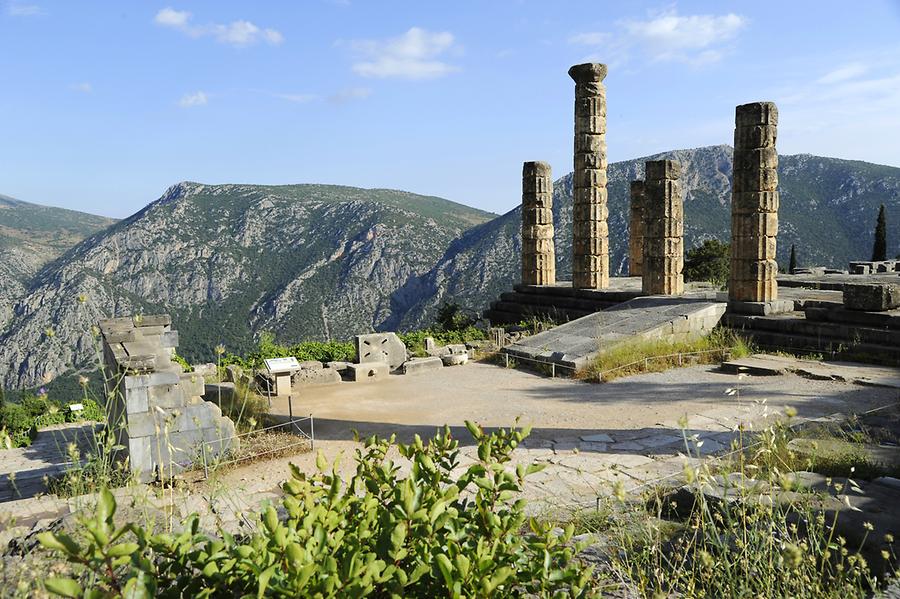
(228, 261)
(319, 262)
(828, 209)
(32, 236)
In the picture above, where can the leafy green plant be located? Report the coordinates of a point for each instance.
(426, 535)
(710, 261)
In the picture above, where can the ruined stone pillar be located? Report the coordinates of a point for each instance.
(754, 204)
(664, 229)
(590, 234)
(538, 255)
(636, 230)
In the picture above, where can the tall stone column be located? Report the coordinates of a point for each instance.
(590, 234)
(754, 204)
(636, 230)
(538, 255)
(664, 227)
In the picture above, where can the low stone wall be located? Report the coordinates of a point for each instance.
(156, 408)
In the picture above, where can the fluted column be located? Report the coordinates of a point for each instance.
(664, 227)
(636, 230)
(538, 255)
(590, 234)
(754, 204)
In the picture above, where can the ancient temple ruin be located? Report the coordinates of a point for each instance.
(590, 233)
(538, 254)
(155, 408)
(636, 230)
(754, 204)
(664, 229)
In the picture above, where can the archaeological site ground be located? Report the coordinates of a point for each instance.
(623, 387)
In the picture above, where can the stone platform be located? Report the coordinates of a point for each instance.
(562, 303)
(575, 344)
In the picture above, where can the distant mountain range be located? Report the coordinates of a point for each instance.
(320, 261)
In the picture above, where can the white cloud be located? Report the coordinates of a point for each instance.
(237, 33)
(845, 72)
(692, 39)
(84, 87)
(413, 55)
(347, 95)
(297, 98)
(194, 99)
(19, 9)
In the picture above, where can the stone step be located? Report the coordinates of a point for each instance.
(555, 301)
(526, 311)
(837, 313)
(847, 334)
(795, 343)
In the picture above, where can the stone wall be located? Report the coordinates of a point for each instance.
(156, 408)
(636, 230)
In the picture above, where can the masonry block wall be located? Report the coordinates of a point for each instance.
(636, 230)
(157, 409)
(664, 229)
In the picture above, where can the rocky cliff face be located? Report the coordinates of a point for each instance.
(319, 262)
(228, 261)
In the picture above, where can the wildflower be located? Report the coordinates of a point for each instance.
(888, 538)
(706, 560)
(49, 332)
(790, 412)
(83, 381)
(885, 554)
(868, 526)
(220, 349)
(82, 298)
(792, 555)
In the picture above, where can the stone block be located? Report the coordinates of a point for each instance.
(590, 263)
(380, 347)
(169, 339)
(586, 279)
(323, 376)
(218, 392)
(537, 232)
(368, 371)
(760, 248)
(537, 246)
(192, 384)
(590, 195)
(662, 227)
(455, 359)
(538, 262)
(760, 308)
(662, 169)
(137, 400)
(420, 365)
(746, 159)
(598, 160)
(590, 143)
(536, 169)
(757, 136)
(152, 320)
(590, 105)
(140, 457)
(750, 202)
(537, 216)
(164, 378)
(207, 370)
(763, 179)
(756, 113)
(872, 297)
(144, 424)
(135, 380)
(753, 269)
(584, 229)
(590, 246)
(860, 269)
(759, 224)
(337, 365)
(585, 211)
(753, 290)
(591, 177)
(664, 247)
(595, 124)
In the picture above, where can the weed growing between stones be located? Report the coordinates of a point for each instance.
(653, 355)
(440, 531)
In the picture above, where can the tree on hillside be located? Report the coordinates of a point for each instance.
(792, 264)
(710, 261)
(879, 248)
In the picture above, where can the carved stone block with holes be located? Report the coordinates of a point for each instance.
(380, 347)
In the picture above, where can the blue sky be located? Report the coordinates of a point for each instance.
(105, 104)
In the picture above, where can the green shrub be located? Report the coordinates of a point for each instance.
(710, 261)
(185, 365)
(35, 405)
(91, 411)
(427, 535)
(48, 419)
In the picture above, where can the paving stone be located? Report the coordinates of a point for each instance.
(597, 438)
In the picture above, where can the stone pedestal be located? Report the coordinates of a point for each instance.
(636, 230)
(664, 229)
(754, 204)
(538, 254)
(590, 234)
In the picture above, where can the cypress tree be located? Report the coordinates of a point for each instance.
(792, 265)
(879, 248)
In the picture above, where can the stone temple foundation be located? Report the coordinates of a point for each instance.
(590, 234)
(754, 204)
(664, 229)
(538, 255)
(636, 230)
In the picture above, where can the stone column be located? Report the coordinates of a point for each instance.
(664, 229)
(590, 234)
(636, 230)
(538, 255)
(754, 204)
